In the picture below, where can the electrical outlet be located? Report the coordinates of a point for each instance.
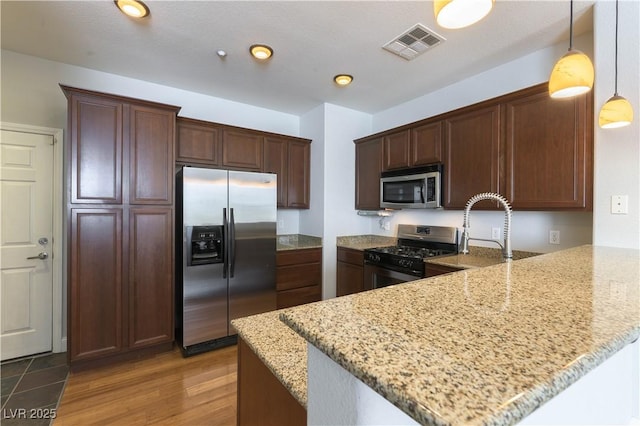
(495, 233)
(554, 237)
(620, 204)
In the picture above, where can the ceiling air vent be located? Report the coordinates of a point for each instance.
(414, 42)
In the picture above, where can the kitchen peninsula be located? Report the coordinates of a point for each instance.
(487, 345)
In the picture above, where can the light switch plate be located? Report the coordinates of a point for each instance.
(619, 204)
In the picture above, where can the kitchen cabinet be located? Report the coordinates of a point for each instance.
(350, 271)
(368, 168)
(262, 399)
(298, 277)
(120, 224)
(198, 142)
(413, 147)
(549, 151)
(290, 159)
(433, 269)
(242, 149)
(395, 150)
(471, 156)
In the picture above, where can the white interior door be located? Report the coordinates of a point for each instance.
(26, 278)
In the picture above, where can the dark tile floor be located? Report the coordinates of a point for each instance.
(31, 389)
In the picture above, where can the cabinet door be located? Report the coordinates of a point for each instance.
(426, 144)
(349, 279)
(198, 143)
(152, 134)
(275, 161)
(242, 149)
(549, 153)
(299, 174)
(395, 151)
(95, 127)
(472, 156)
(150, 276)
(95, 283)
(368, 168)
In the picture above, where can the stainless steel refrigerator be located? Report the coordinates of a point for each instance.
(225, 253)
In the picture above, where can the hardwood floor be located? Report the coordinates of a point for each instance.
(164, 390)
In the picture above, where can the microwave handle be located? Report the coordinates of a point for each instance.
(422, 190)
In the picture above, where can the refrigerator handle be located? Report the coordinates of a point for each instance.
(232, 244)
(225, 254)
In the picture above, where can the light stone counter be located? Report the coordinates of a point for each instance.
(297, 242)
(363, 242)
(478, 257)
(487, 345)
(281, 349)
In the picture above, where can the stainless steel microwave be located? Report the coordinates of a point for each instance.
(416, 188)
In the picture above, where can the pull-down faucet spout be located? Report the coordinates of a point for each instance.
(506, 248)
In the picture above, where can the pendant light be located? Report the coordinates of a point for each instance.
(454, 14)
(617, 111)
(572, 75)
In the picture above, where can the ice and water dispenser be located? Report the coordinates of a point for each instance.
(205, 245)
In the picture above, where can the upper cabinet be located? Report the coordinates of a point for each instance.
(534, 150)
(472, 156)
(290, 159)
(198, 142)
(368, 168)
(242, 149)
(549, 152)
(109, 133)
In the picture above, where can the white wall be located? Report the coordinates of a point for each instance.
(332, 213)
(617, 151)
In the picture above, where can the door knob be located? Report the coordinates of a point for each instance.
(42, 256)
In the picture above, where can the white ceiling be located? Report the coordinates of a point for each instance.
(312, 40)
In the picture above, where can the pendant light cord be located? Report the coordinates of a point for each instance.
(571, 26)
(616, 63)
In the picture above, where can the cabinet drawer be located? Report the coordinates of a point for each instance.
(296, 257)
(299, 296)
(355, 257)
(295, 276)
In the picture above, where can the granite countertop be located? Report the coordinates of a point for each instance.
(478, 257)
(297, 242)
(281, 349)
(362, 242)
(486, 345)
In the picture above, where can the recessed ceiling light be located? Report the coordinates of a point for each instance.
(261, 51)
(343, 79)
(221, 53)
(133, 8)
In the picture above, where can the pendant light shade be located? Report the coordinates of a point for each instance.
(617, 111)
(454, 14)
(573, 74)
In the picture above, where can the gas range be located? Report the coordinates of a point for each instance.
(415, 243)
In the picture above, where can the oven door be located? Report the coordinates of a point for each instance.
(378, 276)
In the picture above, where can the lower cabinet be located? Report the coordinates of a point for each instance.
(120, 282)
(350, 271)
(299, 277)
(262, 399)
(431, 269)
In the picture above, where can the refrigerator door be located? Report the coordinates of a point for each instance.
(204, 292)
(252, 244)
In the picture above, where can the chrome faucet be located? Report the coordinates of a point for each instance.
(506, 248)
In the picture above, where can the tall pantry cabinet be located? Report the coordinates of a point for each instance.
(120, 163)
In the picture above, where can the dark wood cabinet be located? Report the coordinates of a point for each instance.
(262, 399)
(426, 144)
(242, 149)
(198, 142)
(150, 276)
(395, 150)
(433, 269)
(549, 152)
(120, 265)
(368, 168)
(472, 156)
(350, 271)
(298, 277)
(290, 159)
(152, 135)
